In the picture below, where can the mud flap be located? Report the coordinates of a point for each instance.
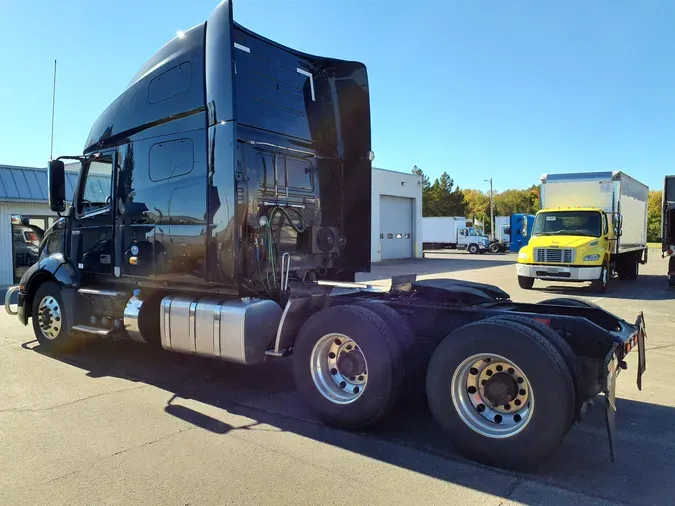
(610, 400)
(642, 358)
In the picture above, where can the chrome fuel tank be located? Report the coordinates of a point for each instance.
(235, 330)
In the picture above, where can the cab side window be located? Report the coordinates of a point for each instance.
(605, 227)
(95, 187)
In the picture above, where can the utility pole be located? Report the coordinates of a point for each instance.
(492, 211)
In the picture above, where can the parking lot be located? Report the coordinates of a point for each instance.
(118, 422)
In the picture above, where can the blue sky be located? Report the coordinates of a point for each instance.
(501, 89)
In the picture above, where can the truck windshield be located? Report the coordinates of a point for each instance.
(586, 223)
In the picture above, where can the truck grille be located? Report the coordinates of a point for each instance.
(554, 255)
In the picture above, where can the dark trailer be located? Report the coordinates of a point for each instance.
(223, 210)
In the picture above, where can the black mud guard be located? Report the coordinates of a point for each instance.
(465, 292)
(58, 269)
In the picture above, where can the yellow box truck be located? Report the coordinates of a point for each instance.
(592, 226)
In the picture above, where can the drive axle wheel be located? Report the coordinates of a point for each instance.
(492, 395)
(482, 384)
(339, 369)
(348, 365)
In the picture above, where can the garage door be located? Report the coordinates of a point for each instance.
(396, 219)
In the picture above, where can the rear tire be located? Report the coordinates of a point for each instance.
(495, 248)
(415, 355)
(478, 433)
(525, 283)
(325, 381)
(565, 350)
(50, 321)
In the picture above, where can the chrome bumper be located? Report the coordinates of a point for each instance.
(552, 272)
(8, 297)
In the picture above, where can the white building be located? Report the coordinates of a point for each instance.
(396, 215)
(23, 193)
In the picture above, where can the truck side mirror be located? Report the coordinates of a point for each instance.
(56, 183)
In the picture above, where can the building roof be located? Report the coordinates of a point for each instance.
(28, 184)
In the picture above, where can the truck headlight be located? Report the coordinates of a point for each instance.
(591, 258)
(523, 255)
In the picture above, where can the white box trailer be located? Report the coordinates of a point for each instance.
(502, 229)
(617, 194)
(439, 232)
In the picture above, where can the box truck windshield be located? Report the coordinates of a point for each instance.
(573, 223)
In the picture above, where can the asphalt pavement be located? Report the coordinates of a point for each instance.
(122, 423)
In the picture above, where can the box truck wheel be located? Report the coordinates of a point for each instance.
(473, 248)
(348, 365)
(600, 285)
(495, 247)
(50, 323)
(502, 392)
(525, 283)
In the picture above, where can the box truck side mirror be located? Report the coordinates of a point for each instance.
(56, 183)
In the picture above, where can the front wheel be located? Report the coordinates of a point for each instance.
(600, 285)
(473, 249)
(525, 283)
(502, 393)
(495, 248)
(50, 324)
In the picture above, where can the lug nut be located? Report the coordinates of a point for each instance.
(343, 384)
(356, 390)
(498, 418)
(333, 371)
(511, 370)
(517, 402)
(360, 378)
(520, 380)
(499, 368)
(349, 346)
(331, 355)
(480, 408)
(488, 372)
(522, 391)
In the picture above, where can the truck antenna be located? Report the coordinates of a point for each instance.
(51, 148)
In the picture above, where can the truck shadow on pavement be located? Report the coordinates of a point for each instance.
(266, 394)
(648, 287)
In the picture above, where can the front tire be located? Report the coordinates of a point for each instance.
(495, 248)
(50, 322)
(600, 285)
(525, 283)
(502, 393)
(473, 249)
(348, 365)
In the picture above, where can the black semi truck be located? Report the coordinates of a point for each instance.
(223, 210)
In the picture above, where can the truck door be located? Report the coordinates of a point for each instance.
(91, 238)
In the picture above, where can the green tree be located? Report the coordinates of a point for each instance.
(511, 202)
(654, 216)
(440, 198)
(444, 200)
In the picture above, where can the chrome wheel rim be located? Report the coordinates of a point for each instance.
(49, 317)
(338, 368)
(492, 395)
(604, 276)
